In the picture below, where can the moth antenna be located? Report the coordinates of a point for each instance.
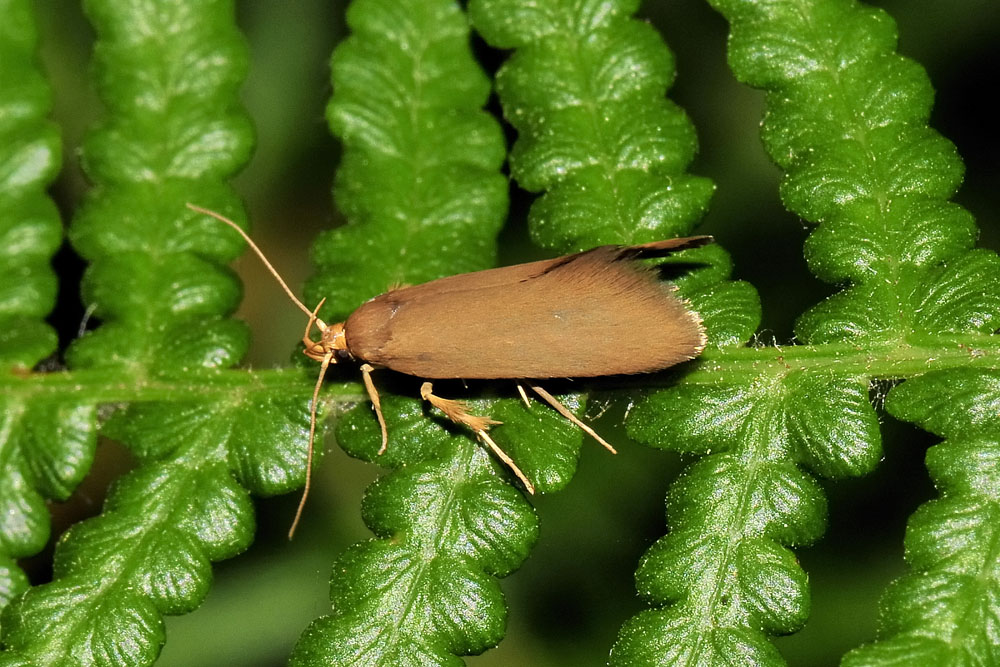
(258, 251)
(324, 362)
(312, 438)
(313, 318)
(315, 350)
(565, 412)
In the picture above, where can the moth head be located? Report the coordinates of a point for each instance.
(331, 339)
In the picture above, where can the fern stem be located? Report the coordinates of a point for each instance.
(102, 386)
(879, 361)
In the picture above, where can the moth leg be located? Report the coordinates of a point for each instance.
(458, 412)
(524, 395)
(564, 411)
(366, 375)
(509, 462)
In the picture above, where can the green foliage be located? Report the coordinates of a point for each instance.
(448, 525)
(45, 448)
(29, 222)
(168, 74)
(420, 170)
(942, 611)
(421, 188)
(866, 168)
(584, 89)
(383, 148)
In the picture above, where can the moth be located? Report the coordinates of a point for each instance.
(589, 314)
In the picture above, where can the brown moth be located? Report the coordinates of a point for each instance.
(589, 314)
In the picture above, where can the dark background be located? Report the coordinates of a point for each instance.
(576, 589)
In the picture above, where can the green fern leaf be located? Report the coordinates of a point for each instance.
(943, 610)
(168, 74)
(421, 188)
(161, 527)
(45, 446)
(584, 89)
(426, 590)
(416, 176)
(915, 308)
(864, 166)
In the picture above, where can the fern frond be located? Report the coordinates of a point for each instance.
(168, 73)
(585, 91)
(945, 609)
(45, 447)
(420, 185)
(864, 165)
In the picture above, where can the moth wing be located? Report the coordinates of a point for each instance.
(664, 247)
(584, 315)
(506, 275)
